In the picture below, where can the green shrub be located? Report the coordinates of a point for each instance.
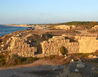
(1, 40)
(63, 50)
(52, 56)
(82, 54)
(14, 60)
(10, 60)
(96, 53)
(2, 60)
(31, 59)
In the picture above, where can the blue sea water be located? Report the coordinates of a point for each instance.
(9, 29)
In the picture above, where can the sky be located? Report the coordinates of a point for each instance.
(47, 11)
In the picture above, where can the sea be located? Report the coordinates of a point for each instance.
(9, 29)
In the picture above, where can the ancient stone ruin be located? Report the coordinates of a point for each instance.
(20, 47)
(53, 45)
(80, 44)
(32, 45)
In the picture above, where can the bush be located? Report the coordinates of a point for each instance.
(52, 56)
(63, 50)
(0, 40)
(82, 54)
(10, 60)
(2, 60)
(77, 56)
(31, 59)
(16, 60)
(96, 53)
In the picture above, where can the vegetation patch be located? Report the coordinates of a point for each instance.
(87, 25)
(96, 53)
(15, 60)
(63, 50)
(2, 60)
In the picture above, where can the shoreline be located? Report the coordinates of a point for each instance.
(14, 25)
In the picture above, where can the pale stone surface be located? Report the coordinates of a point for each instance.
(84, 44)
(95, 27)
(19, 47)
(92, 57)
(53, 45)
(66, 27)
(87, 44)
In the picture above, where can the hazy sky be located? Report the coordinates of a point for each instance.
(47, 11)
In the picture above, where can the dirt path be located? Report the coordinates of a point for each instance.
(32, 71)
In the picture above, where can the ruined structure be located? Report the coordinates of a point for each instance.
(20, 47)
(27, 44)
(87, 44)
(53, 45)
(65, 27)
(95, 27)
(80, 44)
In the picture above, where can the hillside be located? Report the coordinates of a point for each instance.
(87, 24)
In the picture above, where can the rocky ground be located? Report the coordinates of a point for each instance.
(73, 69)
(80, 69)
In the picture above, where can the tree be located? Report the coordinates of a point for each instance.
(63, 50)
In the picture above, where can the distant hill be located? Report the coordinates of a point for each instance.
(87, 24)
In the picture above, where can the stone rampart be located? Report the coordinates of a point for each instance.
(53, 45)
(87, 44)
(19, 47)
(84, 44)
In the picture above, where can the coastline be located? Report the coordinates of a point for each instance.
(16, 25)
(6, 29)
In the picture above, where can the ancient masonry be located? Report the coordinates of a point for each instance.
(53, 45)
(83, 44)
(80, 44)
(19, 47)
(87, 44)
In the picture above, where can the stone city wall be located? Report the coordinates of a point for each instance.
(84, 44)
(19, 47)
(53, 45)
(87, 44)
